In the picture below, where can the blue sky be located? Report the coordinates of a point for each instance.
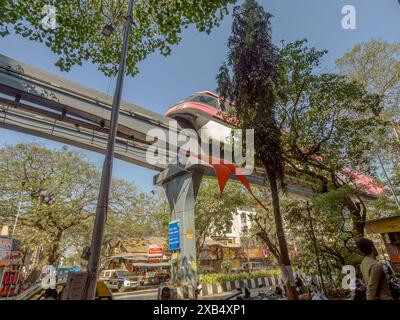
(193, 64)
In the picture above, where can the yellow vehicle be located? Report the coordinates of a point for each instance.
(103, 292)
(36, 292)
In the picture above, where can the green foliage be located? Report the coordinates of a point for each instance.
(332, 201)
(375, 65)
(78, 38)
(325, 117)
(226, 264)
(214, 211)
(327, 123)
(385, 206)
(220, 278)
(331, 224)
(58, 190)
(248, 79)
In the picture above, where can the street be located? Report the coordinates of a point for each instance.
(151, 294)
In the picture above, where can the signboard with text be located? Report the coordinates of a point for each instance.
(5, 251)
(16, 257)
(155, 251)
(174, 238)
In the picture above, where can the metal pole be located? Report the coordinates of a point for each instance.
(388, 181)
(16, 218)
(102, 203)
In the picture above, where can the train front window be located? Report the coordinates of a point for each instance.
(227, 107)
(208, 100)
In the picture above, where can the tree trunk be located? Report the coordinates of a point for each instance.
(317, 256)
(35, 269)
(54, 252)
(284, 260)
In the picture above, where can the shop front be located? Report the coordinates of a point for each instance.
(152, 266)
(10, 267)
(389, 229)
(217, 256)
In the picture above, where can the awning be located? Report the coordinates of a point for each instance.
(383, 225)
(210, 242)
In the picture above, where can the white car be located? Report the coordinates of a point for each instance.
(119, 279)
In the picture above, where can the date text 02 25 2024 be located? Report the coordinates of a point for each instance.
(200, 309)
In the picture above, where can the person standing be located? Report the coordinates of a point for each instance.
(372, 271)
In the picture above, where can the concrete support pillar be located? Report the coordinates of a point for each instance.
(181, 188)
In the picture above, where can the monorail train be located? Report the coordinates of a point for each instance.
(203, 110)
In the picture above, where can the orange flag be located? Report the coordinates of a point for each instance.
(223, 171)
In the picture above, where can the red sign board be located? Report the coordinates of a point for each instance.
(265, 252)
(15, 257)
(155, 251)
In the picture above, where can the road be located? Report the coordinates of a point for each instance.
(151, 294)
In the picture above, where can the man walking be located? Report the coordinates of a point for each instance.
(372, 271)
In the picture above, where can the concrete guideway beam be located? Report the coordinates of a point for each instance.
(66, 106)
(61, 95)
(36, 93)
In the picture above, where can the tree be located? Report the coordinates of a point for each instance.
(253, 62)
(133, 213)
(325, 218)
(159, 213)
(214, 211)
(57, 189)
(78, 38)
(327, 126)
(375, 65)
(323, 230)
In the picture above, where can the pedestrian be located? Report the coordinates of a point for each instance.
(165, 293)
(299, 284)
(278, 291)
(372, 271)
(50, 294)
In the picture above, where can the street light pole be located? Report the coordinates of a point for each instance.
(17, 216)
(102, 203)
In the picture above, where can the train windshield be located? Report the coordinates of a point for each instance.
(208, 100)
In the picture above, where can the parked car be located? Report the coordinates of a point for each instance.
(119, 279)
